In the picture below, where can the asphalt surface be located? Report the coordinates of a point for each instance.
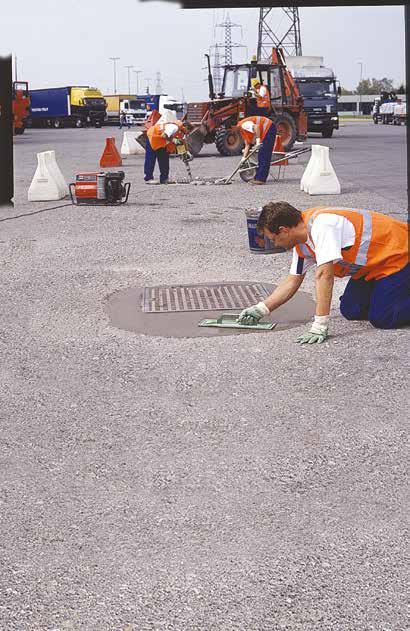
(207, 484)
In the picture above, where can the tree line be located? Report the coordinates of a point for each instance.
(376, 86)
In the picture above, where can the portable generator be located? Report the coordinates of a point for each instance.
(100, 189)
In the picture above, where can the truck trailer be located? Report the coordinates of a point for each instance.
(134, 107)
(71, 106)
(317, 86)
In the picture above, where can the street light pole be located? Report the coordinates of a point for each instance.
(115, 59)
(129, 80)
(137, 72)
(360, 94)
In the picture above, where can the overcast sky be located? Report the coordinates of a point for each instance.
(69, 43)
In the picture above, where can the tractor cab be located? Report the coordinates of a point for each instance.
(237, 80)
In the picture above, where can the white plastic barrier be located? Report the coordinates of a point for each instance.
(322, 179)
(310, 165)
(130, 146)
(48, 183)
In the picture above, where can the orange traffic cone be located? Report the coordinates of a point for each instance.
(111, 156)
(279, 148)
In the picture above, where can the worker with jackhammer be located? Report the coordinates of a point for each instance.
(371, 248)
(162, 139)
(258, 130)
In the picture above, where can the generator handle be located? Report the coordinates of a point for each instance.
(70, 188)
(127, 187)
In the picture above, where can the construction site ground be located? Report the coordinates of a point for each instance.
(193, 484)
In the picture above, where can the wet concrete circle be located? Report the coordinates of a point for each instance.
(124, 309)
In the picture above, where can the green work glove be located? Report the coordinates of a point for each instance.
(252, 315)
(316, 334)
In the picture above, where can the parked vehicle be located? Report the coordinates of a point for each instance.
(215, 120)
(72, 106)
(317, 85)
(21, 106)
(389, 109)
(399, 113)
(161, 103)
(134, 107)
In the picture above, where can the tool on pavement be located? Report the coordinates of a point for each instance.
(245, 163)
(99, 189)
(247, 173)
(229, 321)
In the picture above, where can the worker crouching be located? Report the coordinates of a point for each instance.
(370, 247)
(162, 140)
(259, 130)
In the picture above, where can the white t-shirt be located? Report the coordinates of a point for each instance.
(263, 91)
(330, 233)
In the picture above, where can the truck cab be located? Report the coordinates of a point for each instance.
(318, 87)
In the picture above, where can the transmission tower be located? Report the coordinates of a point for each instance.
(158, 87)
(281, 30)
(216, 67)
(222, 52)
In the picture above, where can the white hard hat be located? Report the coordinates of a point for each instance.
(248, 126)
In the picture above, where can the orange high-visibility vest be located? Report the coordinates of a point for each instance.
(263, 122)
(381, 245)
(155, 136)
(263, 101)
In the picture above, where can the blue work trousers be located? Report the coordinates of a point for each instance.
(151, 157)
(265, 154)
(385, 302)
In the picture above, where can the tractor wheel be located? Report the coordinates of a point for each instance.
(286, 127)
(229, 142)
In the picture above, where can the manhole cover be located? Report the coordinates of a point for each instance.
(173, 299)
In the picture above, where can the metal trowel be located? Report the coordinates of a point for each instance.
(229, 321)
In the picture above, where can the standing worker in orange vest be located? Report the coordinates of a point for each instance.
(162, 139)
(369, 247)
(261, 131)
(261, 92)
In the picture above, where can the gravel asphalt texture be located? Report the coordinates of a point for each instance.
(240, 483)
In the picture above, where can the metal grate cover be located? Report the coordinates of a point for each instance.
(212, 297)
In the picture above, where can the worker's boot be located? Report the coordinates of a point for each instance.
(152, 182)
(256, 182)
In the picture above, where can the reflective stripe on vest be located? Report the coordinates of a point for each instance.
(361, 256)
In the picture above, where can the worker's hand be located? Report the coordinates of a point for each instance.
(317, 334)
(177, 141)
(258, 142)
(253, 314)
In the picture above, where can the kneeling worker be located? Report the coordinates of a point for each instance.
(259, 130)
(162, 139)
(369, 247)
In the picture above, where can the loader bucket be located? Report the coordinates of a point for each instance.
(196, 138)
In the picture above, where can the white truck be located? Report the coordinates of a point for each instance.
(133, 107)
(161, 103)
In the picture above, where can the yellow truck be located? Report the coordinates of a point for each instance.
(72, 106)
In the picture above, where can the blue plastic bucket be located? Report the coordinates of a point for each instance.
(258, 244)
